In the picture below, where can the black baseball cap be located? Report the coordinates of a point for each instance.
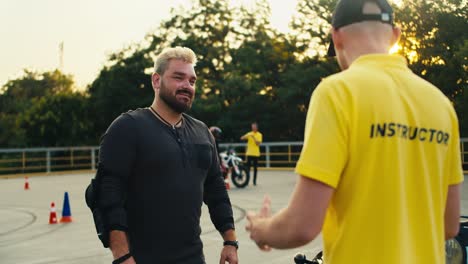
(351, 11)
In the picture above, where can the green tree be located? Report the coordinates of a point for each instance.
(16, 94)
(16, 97)
(57, 120)
(311, 26)
(461, 101)
(248, 71)
(121, 86)
(434, 33)
(435, 42)
(461, 105)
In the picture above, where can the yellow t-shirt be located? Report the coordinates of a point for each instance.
(388, 142)
(252, 148)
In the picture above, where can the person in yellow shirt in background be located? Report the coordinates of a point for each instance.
(254, 139)
(381, 165)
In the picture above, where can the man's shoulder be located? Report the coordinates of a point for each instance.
(330, 83)
(128, 118)
(137, 113)
(194, 122)
(340, 78)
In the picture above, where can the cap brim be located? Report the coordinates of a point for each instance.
(331, 49)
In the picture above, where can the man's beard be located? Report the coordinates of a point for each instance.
(171, 100)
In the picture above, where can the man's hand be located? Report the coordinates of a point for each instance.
(258, 223)
(255, 140)
(229, 255)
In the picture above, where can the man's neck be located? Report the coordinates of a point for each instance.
(166, 112)
(368, 49)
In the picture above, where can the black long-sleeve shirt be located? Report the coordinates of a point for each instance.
(153, 180)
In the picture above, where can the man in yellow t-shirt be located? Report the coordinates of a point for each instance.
(254, 139)
(381, 165)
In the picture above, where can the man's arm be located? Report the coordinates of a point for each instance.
(117, 155)
(452, 211)
(229, 235)
(297, 224)
(455, 179)
(216, 198)
(118, 243)
(244, 137)
(219, 205)
(215, 195)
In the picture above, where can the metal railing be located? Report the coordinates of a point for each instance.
(31, 160)
(47, 160)
(273, 154)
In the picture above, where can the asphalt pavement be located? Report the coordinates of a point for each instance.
(26, 237)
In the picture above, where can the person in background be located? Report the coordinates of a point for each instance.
(217, 134)
(254, 139)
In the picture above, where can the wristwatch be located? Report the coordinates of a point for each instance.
(233, 243)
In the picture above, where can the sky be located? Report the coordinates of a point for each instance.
(32, 30)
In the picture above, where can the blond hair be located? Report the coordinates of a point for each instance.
(178, 53)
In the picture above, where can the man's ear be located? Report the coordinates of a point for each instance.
(337, 39)
(156, 81)
(396, 35)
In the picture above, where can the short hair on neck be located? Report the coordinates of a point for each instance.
(177, 53)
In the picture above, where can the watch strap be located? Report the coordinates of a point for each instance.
(231, 243)
(122, 258)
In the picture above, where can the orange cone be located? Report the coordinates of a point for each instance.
(226, 182)
(53, 214)
(26, 183)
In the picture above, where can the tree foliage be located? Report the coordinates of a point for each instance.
(57, 120)
(121, 86)
(247, 71)
(434, 36)
(19, 95)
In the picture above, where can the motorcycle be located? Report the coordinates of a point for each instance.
(302, 259)
(234, 166)
(457, 247)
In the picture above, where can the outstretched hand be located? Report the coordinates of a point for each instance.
(257, 224)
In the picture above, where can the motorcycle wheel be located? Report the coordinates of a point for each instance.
(454, 252)
(241, 179)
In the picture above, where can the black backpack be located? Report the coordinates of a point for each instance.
(91, 197)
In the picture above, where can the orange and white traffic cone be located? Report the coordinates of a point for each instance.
(226, 182)
(53, 214)
(26, 183)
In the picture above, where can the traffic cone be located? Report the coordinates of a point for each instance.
(53, 214)
(26, 183)
(226, 182)
(66, 212)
